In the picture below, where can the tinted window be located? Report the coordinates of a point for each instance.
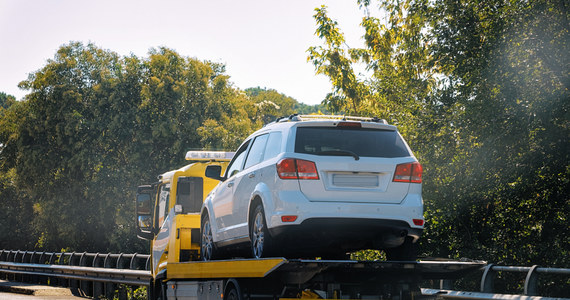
(189, 193)
(364, 142)
(273, 147)
(237, 161)
(255, 155)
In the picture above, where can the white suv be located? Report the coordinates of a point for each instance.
(316, 186)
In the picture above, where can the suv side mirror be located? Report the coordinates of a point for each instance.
(144, 212)
(214, 172)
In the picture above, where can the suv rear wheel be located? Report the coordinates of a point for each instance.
(261, 242)
(405, 252)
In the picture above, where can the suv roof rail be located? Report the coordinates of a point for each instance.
(339, 117)
(298, 117)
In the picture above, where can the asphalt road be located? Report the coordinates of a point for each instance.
(14, 296)
(18, 291)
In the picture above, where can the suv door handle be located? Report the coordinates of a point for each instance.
(230, 184)
(251, 175)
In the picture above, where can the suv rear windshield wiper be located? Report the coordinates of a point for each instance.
(340, 153)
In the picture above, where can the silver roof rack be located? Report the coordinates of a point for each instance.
(338, 117)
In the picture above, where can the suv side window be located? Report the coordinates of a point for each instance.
(255, 155)
(273, 147)
(237, 162)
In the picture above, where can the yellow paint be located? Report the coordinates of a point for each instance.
(179, 234)
(240, 268)
(185, 238)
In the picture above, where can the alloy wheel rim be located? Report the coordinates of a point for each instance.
(258, 235)
(206, 242)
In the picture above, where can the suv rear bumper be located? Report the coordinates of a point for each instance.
(341, 235)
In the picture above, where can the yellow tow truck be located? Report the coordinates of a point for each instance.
(168, 215)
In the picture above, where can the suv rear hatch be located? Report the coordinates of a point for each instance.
(355, 161)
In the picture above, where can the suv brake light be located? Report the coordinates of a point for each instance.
(409, 172)
(349, 124)
(290, 168)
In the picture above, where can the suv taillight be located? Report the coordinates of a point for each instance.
(290, 168)
(409, 172)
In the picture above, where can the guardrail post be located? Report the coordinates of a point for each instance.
(84, 286)
(73, 283)
(62, 281)
(51, 261)
(2, 258)
(32, 260)
(133, 265)
(446, 284)
(531, 282)
(109, 287)
(121, 287)
(97, 286)
(488, 279)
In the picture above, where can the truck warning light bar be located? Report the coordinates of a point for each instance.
(209, 155)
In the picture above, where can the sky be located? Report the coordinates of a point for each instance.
(262, 42)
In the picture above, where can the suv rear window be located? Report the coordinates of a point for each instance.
(363, 142)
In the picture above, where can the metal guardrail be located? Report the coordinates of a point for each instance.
(531, 280)
(447, 294)
(96, 274)
(489, 278)
(87, 274)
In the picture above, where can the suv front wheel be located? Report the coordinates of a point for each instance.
(207, 246)
(261, 242)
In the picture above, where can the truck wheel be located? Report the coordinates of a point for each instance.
(207, 247)
(260, 238)
(405, 252)
(163, 291)
(157, 290)
(232, 293)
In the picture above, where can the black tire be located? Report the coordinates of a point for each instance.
(163, 291)
(232, 293)
(157, 291)
(207, 246)
(261, 242)
(405, 252)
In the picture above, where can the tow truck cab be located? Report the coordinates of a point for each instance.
(168, 211)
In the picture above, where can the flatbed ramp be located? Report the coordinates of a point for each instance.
(279, 278)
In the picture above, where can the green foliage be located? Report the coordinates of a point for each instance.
(6, 100)
(270, 103)
(304, 109)
(480, 91)
(334, 61)
(368, 255)
(94, 126)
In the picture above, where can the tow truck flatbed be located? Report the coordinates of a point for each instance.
(255, 268)
(169, 216)
(280, 278)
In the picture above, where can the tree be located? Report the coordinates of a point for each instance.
(480, 90)
(6, 100)
(95, 125)
(270, 103)
(16, 205)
